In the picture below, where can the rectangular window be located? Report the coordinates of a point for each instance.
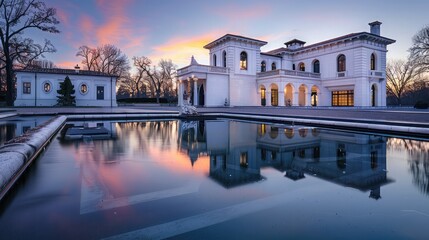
(244, 162)
(26, 87)
(343, 98)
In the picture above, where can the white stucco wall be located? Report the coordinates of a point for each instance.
(38, 97)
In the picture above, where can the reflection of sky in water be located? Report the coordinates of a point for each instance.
(223, 179)
(15, 126)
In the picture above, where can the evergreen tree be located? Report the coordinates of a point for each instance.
(66, 93)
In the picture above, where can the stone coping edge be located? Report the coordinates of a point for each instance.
(376, 127)
(15, 157)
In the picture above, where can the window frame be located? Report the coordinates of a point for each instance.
(301, 67)
(26, 89)
(224, 58)
(316, 61)
(44, 87)
(214, 60)
(263, 66)
(80, 88)
(341, 63)
(373, 62)
(243, 60)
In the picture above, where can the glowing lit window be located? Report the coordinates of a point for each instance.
(244, 161)
(47, 87)
(83, 88)
(243, 61)
(301, 67)
(343, 98)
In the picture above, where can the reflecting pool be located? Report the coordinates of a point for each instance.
(15, 126)
(221, 179)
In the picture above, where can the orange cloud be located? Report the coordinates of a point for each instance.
(180, 49)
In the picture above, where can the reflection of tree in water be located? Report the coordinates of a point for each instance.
(7, 132)
(146, 134)
(418, 160)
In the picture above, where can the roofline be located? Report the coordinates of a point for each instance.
(387, 41)
(66, 72)
(228, 36)
(272, 55)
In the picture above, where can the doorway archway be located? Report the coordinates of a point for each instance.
(201, 96)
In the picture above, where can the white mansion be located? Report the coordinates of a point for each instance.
(344, 71)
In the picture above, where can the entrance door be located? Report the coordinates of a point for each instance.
(100, 92)
(201, 96)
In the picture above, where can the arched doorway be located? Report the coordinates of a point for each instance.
(374, 95)
(314, 96)
(289, 95)
(274, 95)
(263, 92)
(302, 91)
(201, 96)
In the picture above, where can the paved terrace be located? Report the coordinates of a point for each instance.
(397, 116)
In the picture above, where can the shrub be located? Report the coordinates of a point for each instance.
(421, 105)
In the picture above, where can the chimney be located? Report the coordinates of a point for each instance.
(77, 68)
(375, 27)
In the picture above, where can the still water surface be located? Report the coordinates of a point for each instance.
(222, 179)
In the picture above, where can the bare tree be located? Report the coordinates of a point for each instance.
(158, 77)
(107, 59)
(17, 16)
(420, 48)
(400, 75)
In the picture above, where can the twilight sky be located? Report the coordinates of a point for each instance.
(177, 29)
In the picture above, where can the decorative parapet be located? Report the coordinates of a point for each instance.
(202, 69)
(284, 72)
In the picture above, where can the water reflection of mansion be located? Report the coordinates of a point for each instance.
(239, 150)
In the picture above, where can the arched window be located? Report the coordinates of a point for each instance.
(341, 63)
(243, 61)
(214, 60)
(373, 61)
(301, 67)
(263, 66)
(224, 58)
(316, 66)
(273, 66)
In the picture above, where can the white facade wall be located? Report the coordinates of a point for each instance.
(217, 90)
(38, 97)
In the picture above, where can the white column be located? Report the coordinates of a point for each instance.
(295, 99)
(180, 94)
(268, 98)
(308, 98)
(195, 92)
(281, 98)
